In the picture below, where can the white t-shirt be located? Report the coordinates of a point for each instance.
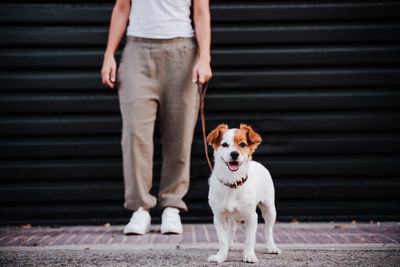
(160, 19)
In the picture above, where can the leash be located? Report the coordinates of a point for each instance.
(202, 93)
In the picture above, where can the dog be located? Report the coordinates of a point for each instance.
(238, 185)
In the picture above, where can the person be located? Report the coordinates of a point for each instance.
(161, 62)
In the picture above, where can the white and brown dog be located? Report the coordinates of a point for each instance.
(237, 186)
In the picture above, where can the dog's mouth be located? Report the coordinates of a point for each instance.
(233, 165)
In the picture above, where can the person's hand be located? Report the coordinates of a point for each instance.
(108, 71)
(202, 72)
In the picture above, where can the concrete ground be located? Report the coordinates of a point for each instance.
(302, 245)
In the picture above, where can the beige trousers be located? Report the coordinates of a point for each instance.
(156, 76)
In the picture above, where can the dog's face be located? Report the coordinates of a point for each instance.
(234, 146)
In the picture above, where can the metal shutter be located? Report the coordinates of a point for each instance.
(319, 80)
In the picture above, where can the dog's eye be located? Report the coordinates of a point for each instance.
(225, 145)
(243, 144)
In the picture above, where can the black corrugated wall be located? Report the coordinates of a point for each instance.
(319, 80)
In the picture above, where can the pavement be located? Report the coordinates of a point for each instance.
(303, 244)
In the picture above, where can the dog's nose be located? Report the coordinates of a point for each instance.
(234, 155)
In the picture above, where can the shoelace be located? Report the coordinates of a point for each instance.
(137, 216)
(171, 216)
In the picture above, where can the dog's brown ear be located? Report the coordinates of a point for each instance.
(253, 138)
(214, 138)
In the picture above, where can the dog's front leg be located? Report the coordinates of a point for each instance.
(232, 226)
(251, 228)
(221, 227)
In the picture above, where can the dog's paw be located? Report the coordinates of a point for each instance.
(231, 244)
(219, 258)
(273, 250)
(250, 257)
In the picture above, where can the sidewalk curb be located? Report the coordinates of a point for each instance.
(283, 247)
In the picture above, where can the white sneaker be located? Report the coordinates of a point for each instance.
(139, 223)
(171, 221)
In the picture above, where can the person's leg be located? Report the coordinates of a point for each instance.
(179, 106)
(138, 85)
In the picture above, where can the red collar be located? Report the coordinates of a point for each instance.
(236, 184)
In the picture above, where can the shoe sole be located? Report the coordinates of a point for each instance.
(171, 231)
(136, 232)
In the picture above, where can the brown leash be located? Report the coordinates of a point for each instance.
(202, 93)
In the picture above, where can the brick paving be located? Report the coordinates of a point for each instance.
(284, 233)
